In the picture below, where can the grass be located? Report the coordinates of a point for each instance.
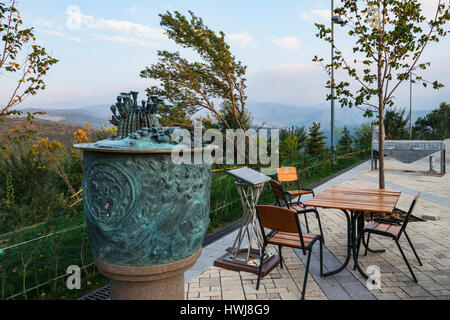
(39, 261)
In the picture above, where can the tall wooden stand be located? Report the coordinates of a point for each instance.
(248, 259)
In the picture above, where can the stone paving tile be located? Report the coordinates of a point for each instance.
(281, 284)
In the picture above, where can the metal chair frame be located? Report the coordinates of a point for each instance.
(291, 180)
(280, 194)
(305, 249)
(396, 238)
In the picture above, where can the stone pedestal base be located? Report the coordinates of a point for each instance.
(161, 282)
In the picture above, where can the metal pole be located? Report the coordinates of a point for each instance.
(332, 84)
(410, 107)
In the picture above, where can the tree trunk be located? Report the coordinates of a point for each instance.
(381, 114)
(381, 151)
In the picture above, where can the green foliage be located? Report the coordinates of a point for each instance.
(23, 63)
(227, 113)
(289, 147)
(387, 52)
(38, 193)
(10, 198)
(299, 132)
(315, 143)
(217, 80)
(395, 124)
(292, 143)
(363, 137)
(435, 125)
(345, 142)
(36, 255)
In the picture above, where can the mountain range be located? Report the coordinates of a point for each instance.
(263, 114)
(277, 115)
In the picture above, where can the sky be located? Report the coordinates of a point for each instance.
(102, 53)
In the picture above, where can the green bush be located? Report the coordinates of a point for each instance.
(39, 194)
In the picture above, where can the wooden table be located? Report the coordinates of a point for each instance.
(357, 201)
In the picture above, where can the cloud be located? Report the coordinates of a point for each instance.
(316, 15)
(243, 40)
(287, 43)
(60, 34)
(78, 20)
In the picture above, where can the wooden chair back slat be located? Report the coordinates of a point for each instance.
(278, 190)
(287, 174)
(410, 211)
(277, 218)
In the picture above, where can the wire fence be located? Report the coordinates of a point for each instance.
(33, 261)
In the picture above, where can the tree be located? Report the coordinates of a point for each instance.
(289, 147)
(227, 112)
(363, 136)
(395, 124)
(299, 132)
(435, 125)
(390, 38)
(218, 80)
(345, 143)
(315, 143)
(21, 60)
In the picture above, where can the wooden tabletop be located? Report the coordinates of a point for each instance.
(356, 199)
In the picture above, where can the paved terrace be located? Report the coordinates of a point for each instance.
(431, 240)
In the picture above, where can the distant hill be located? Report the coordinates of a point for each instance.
(281, 116)
(102, 111)
(278, 115)
(54, 131)
(75, 117)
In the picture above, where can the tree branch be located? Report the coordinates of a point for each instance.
(419, 53)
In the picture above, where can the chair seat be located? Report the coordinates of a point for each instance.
(292, 240)
(299, 192)
(297, 207)
(386, 228)
(396, 216)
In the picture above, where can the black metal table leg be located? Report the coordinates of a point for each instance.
(352, 234)
(349, 247)
(358, 225)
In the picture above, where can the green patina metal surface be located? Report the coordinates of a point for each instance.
(129, 117)
(141, 208)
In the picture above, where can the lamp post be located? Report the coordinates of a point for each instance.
(411, 81)
(334, 19)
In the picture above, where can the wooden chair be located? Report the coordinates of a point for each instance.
(281, 201)
(289, 174)
(394, 230)
(286, 232)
